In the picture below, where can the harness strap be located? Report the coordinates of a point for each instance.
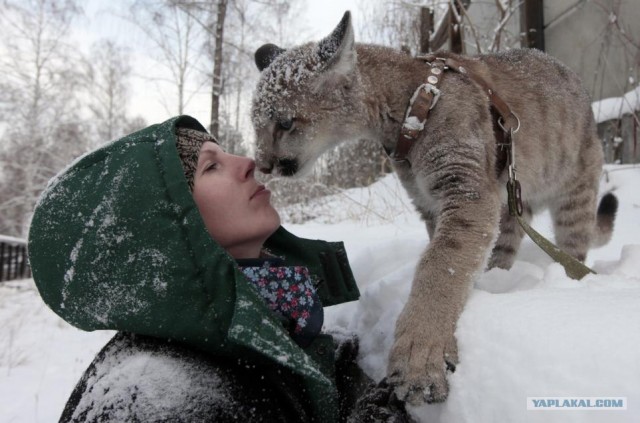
(426, 96)
(422, 101)
(505, 126)
(509, 119)
(572, 267)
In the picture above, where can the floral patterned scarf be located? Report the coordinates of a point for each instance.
(290, 293)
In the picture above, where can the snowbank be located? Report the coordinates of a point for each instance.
(41, 356)
(526, 332)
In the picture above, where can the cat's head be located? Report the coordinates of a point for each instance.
(306, 101)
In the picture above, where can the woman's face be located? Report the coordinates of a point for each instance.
(235, 208)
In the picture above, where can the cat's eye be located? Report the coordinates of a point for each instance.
(286, 124)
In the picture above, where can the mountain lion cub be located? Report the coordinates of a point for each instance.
(312, 97)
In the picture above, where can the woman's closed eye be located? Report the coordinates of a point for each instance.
(211, 167)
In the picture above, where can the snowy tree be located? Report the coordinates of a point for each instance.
(40, 125)
(109, 71)
(174, 39)
(228, 27)
(460, 26)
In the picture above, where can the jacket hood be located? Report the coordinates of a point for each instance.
(117, 242)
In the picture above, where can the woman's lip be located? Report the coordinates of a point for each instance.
(261, 190)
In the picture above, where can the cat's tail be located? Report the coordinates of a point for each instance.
(606, 215)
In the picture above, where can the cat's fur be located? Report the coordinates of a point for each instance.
(314, 96)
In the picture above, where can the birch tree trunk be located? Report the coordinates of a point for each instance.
(216, 87)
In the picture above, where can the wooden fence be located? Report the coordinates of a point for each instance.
(620, 140)
(14, 263)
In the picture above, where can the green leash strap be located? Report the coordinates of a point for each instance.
(574, 268)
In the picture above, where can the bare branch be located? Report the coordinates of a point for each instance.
(471, 26)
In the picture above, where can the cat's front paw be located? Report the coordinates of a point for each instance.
(419, 363)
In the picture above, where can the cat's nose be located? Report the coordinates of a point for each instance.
(288, 167)
(264, 164)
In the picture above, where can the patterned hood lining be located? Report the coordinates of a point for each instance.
(188, 144)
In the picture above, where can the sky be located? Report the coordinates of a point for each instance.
(323, 16)
(101, 21)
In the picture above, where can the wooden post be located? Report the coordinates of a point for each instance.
(455, 31)
(2, 261)
(629, 133)
(426, 29)
(11, 261)
(532, 24)
(23, 262)
(636, 150)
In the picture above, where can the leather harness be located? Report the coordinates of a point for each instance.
(505, 122)
(505, 125)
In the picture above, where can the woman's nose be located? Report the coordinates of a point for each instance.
(248, 167)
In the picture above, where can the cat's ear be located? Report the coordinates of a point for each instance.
(266, 54)
(337, 52)
(338, 58)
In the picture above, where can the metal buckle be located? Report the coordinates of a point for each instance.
(436, 94)
(501, 124)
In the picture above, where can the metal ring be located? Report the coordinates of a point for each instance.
(501, 123)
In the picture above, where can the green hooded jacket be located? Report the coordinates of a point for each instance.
(117, 242)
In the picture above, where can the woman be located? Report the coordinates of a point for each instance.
(167, 239)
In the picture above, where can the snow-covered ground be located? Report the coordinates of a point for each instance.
(526, 332)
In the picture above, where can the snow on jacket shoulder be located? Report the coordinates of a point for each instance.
(142, 379)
